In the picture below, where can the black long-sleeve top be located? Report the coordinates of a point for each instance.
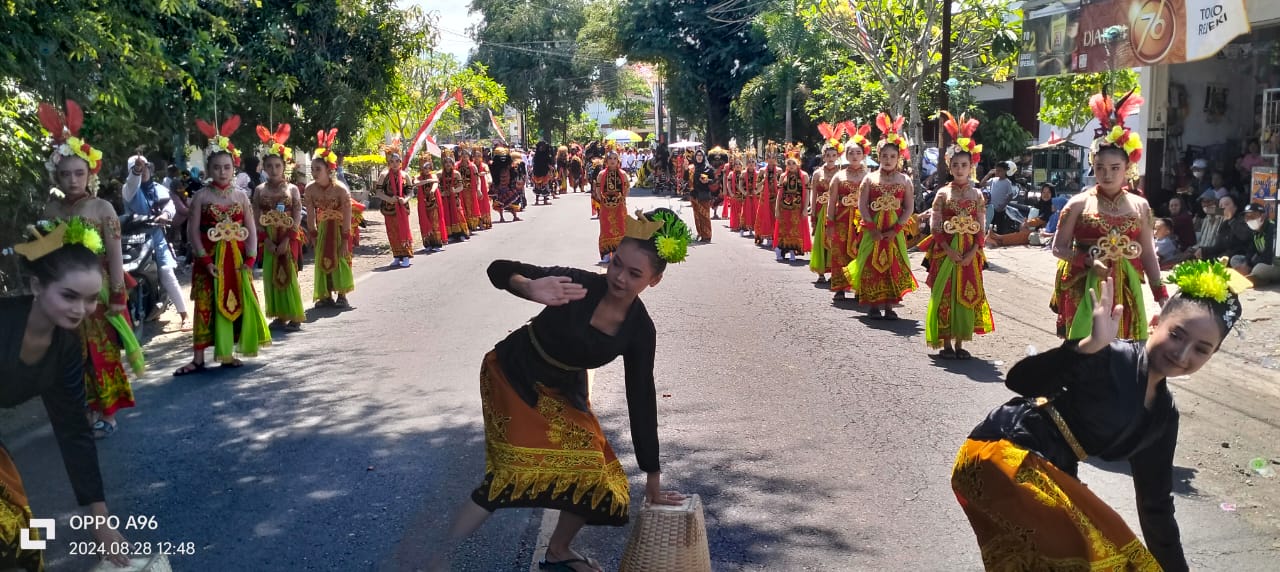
(58, 378)
(1234, 237)
(566, 335)
(1101, 399)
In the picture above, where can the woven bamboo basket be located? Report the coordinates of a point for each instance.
(668, 539)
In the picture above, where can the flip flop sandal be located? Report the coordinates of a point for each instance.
(325, 303)
(947, 353)
(963, 354)
(567, 565)
(342, 304)
(890, 315)
(102, 429)
(293, 327)
(189, 369)
(232, 364)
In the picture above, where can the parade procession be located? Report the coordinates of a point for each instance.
(746, 286)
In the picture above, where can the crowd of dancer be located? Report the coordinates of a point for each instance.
(1102, 393)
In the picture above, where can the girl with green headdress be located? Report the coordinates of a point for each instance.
(42, 355)
(1100, 396)
(544, 446)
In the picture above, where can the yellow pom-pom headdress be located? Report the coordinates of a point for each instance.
(670, 234)
(324, 147)
(220, 137)
(1113, 132)
(274, 143)
(48, 237)
(64, 131)
(962, 131)
(891, 134)
(1214, 282)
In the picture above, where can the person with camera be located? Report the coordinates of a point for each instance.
(146, 198)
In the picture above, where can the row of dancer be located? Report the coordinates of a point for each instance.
(454, 202)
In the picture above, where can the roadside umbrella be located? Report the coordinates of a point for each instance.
(623, 135)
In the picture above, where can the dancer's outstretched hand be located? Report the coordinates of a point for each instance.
(655, 495)
(555, 290)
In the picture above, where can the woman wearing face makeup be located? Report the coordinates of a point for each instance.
(843, 223)
(822, 178)
(74, 165)
(329, 225)
(881, 274)
(224, 236)
(958, 307)
(1015, 476)
(544, 447)
(1106, 231)
(41, 354)
(766, 193)
(277, 206)
(791, 223)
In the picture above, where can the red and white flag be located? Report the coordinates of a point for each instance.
(497, 127)
(430, 122)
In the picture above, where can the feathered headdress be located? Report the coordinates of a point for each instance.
(962, 132)
(831, 136)
(891, 134)
(274, 142)
(64, 130)
(392, 149)
(858, 136)
(1113, 132)
(795, 151)
(46, 238)
(324, 147)
(220, 138)
(771, 150)
(670, 234)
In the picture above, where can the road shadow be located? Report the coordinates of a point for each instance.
(904, 327)
(755, 518)
(1183, 477)
(250, 465)
(975, 368)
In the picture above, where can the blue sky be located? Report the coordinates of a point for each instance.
(454, 20)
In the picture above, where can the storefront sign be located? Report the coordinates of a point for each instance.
(1120, 34)
(1264, 184)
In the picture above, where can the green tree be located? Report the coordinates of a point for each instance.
(852, 92)
(419, 86)
(1002, 138)
(901, 41)
(1066, 97)
(582, 128)
(704, 60)
(532, 49)
(630, 97)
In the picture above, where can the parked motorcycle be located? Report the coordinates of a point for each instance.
(147, 299)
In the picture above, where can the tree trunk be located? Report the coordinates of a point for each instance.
(717, 119)
(915, 131)
(790, 93)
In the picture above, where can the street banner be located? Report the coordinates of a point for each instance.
(1264, 184)
(425, 130)
(497, 127)
(1120, 34)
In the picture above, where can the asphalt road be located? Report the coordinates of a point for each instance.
(817, 440)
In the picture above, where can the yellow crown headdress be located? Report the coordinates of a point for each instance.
(48, 238)
(795, 151)
(670, 234)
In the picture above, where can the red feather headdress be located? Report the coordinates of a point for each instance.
(275, 142)
(962, 131)
(859, 136)
(832, 135)
(220, 138)
(324, 147)
(1113, 131)
(64, 130)
(891, 134)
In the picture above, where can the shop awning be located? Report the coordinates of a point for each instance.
(1068, 36)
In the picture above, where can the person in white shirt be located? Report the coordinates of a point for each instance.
(144, 197)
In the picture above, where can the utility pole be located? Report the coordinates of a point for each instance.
(791, 71)
(657, 112)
